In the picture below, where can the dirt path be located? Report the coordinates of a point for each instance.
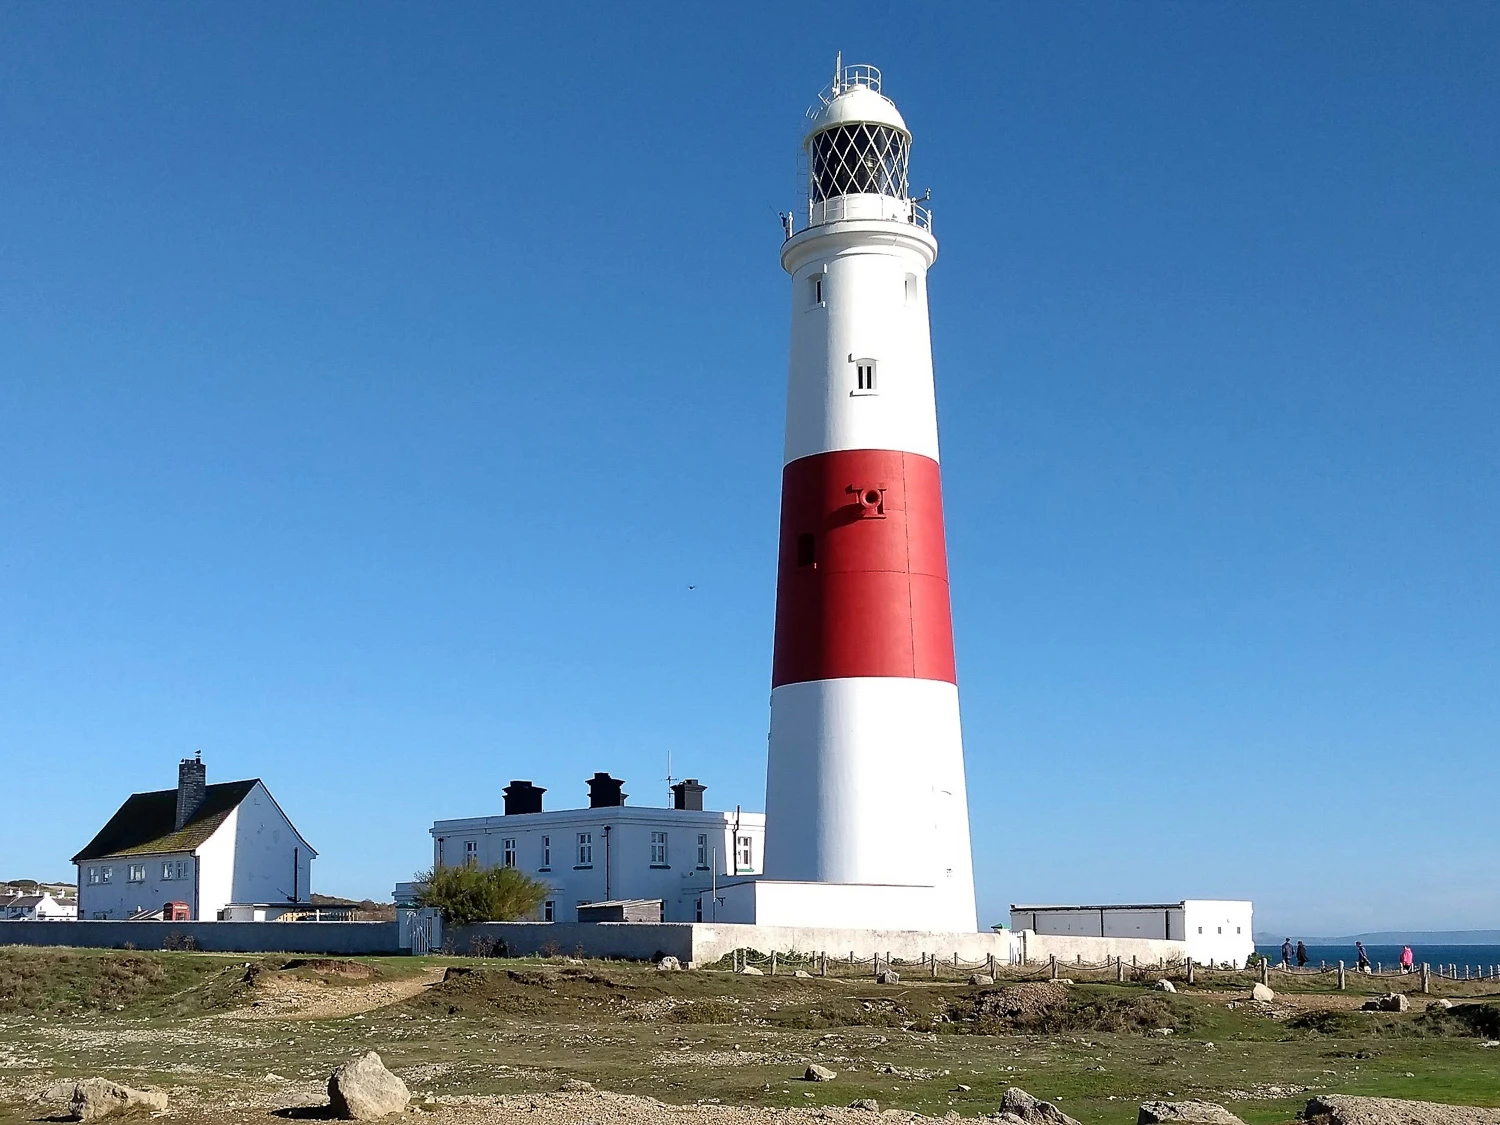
(286, 997)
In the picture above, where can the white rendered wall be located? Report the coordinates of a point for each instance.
(868, 774)
(216, 863)
(264, 846)
(119, 898)
(1219, 930)
(868, 311)
(632, 875)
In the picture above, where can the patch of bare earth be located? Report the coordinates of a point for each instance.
(288, 995)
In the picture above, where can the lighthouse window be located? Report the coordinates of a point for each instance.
(817, 289)
(911, 289)
(864, 375)
(807, 550)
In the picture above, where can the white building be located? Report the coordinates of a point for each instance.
(36, 908)
(202, 845)
(609, 851)
(1214, 931)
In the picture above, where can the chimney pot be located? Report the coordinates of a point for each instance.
(688, 795)
(605, 792)
(192, 788)
(522, 797)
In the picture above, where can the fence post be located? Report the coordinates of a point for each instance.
(1120, 970)
(1342, 980)
(991, 966)
(1190, 978)
(1426, 977)
(933, 965)
(1134, 963)
(823, 963)
(1265, 971)
(773, 962)
(1052, 965)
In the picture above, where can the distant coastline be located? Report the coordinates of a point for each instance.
(1388, 937)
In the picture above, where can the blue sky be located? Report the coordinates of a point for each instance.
(374, 383)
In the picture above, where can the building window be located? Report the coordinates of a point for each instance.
(702, 852)
(549, 911)
(439, 851)
(546, 853)
(744, 854)
(864, 375)
(585, 851)
(911, 289)
(93, 875)
(106, 874)
(1236, 929)
(174, 870)
(1221, 929)
(137, 873)
(166, 870)
(508, 852)
(698, 910)
(1200, 929)
(658, 849)
(807, 549)
(817, 289)
(471, 853)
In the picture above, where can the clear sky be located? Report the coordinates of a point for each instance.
(375, 381)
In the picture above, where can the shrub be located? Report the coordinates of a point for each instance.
(466, 895)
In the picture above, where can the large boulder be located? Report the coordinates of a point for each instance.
(1164, 985)
(888, 976)
(669, 964)
(1262, 993)
(1390, 1002)
(1188, 1113)
(981, 979)
(363, 1089)
(1347, 1109)
(816, 1073)
(1033, 1111)
(99, 1097)
(751, 971)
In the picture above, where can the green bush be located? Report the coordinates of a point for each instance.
(466, 895)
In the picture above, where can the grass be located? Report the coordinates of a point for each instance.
(512, 1026)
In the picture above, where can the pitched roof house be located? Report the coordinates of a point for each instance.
(35, 908)
(199, 844)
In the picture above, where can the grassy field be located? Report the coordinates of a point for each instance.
(236, 1038)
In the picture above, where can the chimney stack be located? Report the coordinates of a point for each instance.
(688, 795)
(604, 792)
(522, 797)
(192, 787)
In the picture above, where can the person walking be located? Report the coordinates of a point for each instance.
(1301, 955)
(1408, 961)
(1364, 958)
(1286, 954)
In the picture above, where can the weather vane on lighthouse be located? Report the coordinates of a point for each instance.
(865, 774)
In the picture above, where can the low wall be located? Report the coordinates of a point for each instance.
(627, 941)
(1032, 947)
(348, 938)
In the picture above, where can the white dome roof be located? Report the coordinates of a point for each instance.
(857, 103)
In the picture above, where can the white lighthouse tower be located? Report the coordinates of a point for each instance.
(866, 815)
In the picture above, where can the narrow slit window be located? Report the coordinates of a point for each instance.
(865, 375)
(807, 549)
(817, 289)
(911, 289)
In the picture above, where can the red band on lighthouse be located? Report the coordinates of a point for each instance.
(862, 580)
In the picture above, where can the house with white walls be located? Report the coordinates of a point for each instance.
(200, 845)
(609, 851)
(36, 908)
(1213, 931)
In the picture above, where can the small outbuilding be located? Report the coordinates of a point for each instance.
(622, 910)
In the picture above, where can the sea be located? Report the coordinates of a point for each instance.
(1389, 956)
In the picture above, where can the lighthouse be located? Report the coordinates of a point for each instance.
(866, 813)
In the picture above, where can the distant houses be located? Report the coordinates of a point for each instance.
(40, 907)
(193, 851)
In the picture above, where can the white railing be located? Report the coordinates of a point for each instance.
(846, 78)
(855, 207)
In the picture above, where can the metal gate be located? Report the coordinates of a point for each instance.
(421, 935)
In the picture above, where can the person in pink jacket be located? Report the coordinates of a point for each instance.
(1406, 959)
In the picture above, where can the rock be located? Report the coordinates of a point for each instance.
(960, 1089)
(1262, 993)
(865, 1103)
(1390, 1002)
(1010, 1119)
(751, 971)
(576, 1086)
(981, 978)
(1032, 1111)
(1440, 1005)
(888, 976)
(1346, 1109)
(363, 1089)
(99, 1097)
(1191, 1113)
(1063, 980)
(816, 1073)
(59, 1092)
(802, 973)
(1164, 985)
(668, 964)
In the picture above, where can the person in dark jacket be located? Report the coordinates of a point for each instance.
(1286, 953)
(1301, 955)
(1364, 958)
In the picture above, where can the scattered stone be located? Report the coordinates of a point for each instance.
(1163, 1031)
(751, 971)
(1063, 980)
(1164, 985)
(981, 978)
(1262, 993)
(1390, 1002)
(363, 1089)
(1346, 1109)
(1440, 1005)
(816, 1073)
(802, 973)
(960, 1089)
(1010, 1119)
(99, 1097)
(888, 976)
(865, 1103)
(1189, 1113)
(576, 1086)
(1032, 1111)
(668, 964)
